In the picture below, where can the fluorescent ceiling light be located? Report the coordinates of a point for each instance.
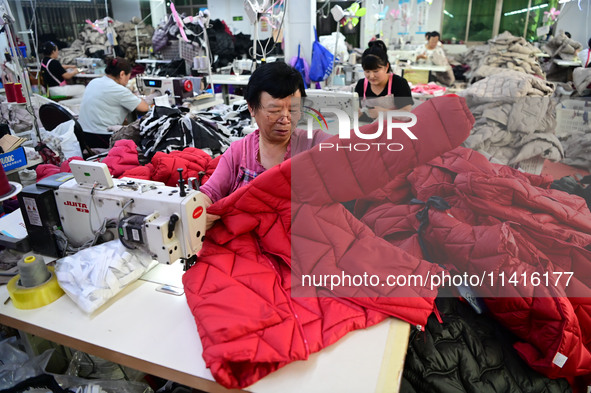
(448, 14)
(525, 10)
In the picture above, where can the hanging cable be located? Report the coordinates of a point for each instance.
(35, 34)
(321, 10)
(264, 50)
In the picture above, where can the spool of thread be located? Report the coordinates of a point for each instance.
(18, 93)
(5, 187)
(35, 286)
(33, 272)
(9, 89)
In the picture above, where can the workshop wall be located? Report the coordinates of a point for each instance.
(227, 10)
(124, 10)
(394, 27)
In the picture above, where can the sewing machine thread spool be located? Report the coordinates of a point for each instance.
(9, 90)
(35, 286)
(18, 93)
(33, 272)
(7, 189)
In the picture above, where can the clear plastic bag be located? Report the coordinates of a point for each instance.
(81, 385)
(92, 367)
(91, 374)
(16, 366)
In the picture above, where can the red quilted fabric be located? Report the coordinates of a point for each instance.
(163, 167)
(501, 221)
(289, 220)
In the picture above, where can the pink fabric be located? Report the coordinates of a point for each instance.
(122, 157)
(431, 88)
(45, 170)
(239, 165)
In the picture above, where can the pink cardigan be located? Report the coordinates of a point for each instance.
(239, 166)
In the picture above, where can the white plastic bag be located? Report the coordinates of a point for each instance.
(94, 275)
(69, 143)
(328, 41)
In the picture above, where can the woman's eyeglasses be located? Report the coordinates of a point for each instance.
(275, 114)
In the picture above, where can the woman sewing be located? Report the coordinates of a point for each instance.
(273, 94)
(55, 75)
(381, 90)
(107, 102)
(432, 53)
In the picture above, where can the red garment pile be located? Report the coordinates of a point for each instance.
(241, 290)
(122, 161)
(459, 211)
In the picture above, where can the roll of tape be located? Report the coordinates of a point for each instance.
(34, 297)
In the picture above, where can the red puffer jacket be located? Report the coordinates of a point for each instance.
(503, 225)
(163, 167)
(122, 157)
(289, 221)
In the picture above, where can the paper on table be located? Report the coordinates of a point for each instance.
(13, 225)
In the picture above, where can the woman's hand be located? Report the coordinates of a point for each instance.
(375, 111)
(422, 56)
(210, 219)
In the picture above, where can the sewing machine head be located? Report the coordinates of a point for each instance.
(177, 89)
(168, 222)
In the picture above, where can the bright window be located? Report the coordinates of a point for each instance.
(513, 17)
(482, 20)
(454, 20)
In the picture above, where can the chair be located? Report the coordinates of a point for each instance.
(52, 115)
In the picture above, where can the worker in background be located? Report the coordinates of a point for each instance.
(585, 55)
(55, 75)
(381, 90)
(432, 53)
(107, 102)
(273, 94)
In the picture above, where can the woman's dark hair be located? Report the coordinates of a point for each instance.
(277, 79)
(433, 34)
(48, 47)
(375, 56)
(115, 65)
(589, 43)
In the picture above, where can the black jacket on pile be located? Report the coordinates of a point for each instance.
(167, 129)
(469, 353)
(221, 44)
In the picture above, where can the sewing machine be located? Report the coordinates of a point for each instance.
(167, 222)
(177, 89)
(91, 65)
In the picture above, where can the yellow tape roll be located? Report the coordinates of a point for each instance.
(34, 297)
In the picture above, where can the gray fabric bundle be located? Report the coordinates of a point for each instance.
(502, 52)
(516, 118)
(91, 41)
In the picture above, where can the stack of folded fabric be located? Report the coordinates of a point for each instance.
(502, 52)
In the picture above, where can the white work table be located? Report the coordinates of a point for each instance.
(425, 67)
(568, 63)
(88, 76)
(229, 80)
(226, 79)
(155, 333)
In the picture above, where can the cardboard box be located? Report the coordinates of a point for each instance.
(13, 159)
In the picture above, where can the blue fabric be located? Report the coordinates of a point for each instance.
(321, 61)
